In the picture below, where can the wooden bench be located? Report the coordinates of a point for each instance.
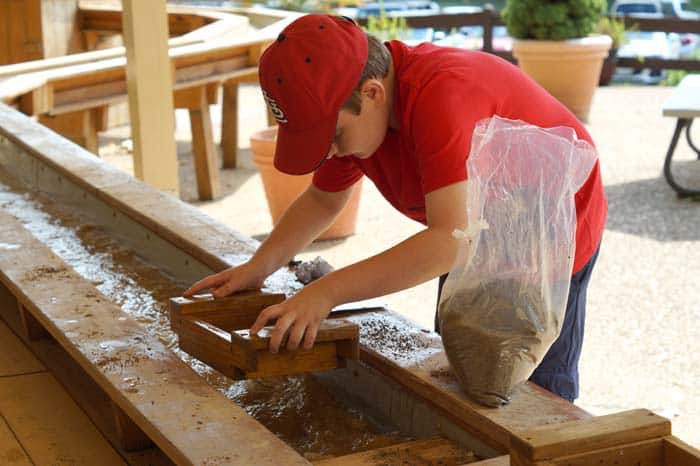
(72, 99)
(684, 104)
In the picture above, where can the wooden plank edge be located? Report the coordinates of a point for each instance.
(580, 436)
(679, 453)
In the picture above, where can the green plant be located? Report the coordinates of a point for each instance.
(615, 28)
(552, 19)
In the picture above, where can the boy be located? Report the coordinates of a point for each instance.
(348, 106)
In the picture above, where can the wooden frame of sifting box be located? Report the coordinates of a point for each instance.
(215, 331)
(537, 428)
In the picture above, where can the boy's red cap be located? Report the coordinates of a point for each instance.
(306, 76)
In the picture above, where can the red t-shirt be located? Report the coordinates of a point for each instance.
(440, 95)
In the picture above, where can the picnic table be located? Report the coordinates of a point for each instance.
(684, 104)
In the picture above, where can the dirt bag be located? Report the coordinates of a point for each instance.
(503, 303)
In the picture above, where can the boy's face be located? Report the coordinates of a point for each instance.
(361, 135)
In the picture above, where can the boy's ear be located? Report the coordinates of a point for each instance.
(374, 90)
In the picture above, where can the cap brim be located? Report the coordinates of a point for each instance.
(301, 152)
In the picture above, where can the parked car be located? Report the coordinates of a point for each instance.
(392, 8)
(637, 8)
(679, 9)
(643, 45)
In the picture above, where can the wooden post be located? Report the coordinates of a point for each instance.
(229, 124)
(197, 100)
(229, 114)
(130, 435)
(80, 126)
(150, 86)
(31, 327)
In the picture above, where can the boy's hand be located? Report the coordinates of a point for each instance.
(226, 282)
(298, 317)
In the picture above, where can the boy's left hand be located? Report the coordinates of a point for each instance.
(298, 317)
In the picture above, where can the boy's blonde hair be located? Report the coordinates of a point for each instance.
(378, 61)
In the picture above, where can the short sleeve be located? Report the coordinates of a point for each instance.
(337, 174)
(444, 117)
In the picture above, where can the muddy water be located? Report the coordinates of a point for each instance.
(298, 409)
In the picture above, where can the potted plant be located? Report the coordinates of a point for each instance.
(615, 28)
(282, 189)
(553, 45)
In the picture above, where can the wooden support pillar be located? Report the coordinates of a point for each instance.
(197, 100)
(150, 85)
(229, 124)
(80, 126)
(131, 437)
(229, 115)
(36, 102)
(31, 327)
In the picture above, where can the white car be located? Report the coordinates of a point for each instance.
(679, 9)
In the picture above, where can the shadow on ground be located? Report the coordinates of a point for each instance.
(650, 208)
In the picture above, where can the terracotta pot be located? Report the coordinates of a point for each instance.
(568, 69)
(282, 189)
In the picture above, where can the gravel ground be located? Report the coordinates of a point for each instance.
(642, 339)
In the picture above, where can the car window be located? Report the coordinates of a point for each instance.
(636, 8)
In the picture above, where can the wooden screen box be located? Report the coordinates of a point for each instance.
(215, 331)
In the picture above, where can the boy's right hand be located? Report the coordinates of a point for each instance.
(227, 282)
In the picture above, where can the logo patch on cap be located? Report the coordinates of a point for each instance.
(274, 108)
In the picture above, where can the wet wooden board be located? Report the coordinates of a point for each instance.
(131, 366)
(15, 358)
(84, 391)
(431, 452)
(11, 452)
(416, 360)
(49, 425)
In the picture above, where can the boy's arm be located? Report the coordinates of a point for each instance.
(306, 218)
(415, 260)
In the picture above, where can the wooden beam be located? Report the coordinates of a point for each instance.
(15, 357)
(585, 435)
(36, 101)
(130, 434)
(437, 451)
(229, 124)
(60, 25)
(229, 115)
(677, 452)
(31, 327)
(79, 126)
(203, 147)
(150, 84)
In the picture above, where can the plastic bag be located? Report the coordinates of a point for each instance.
(503, 303)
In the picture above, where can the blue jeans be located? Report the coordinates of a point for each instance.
(558, 371)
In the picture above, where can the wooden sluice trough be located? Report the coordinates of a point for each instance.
(141, 391)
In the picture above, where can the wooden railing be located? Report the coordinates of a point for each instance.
(488, 18)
